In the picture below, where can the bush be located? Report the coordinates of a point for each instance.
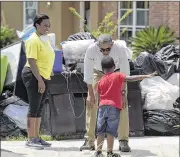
(7, 36)
(107, 26)
(152, 39)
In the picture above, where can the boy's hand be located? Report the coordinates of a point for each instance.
(153, 74)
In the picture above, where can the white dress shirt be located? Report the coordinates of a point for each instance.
(119, 52)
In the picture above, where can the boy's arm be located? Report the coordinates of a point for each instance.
(138, 77)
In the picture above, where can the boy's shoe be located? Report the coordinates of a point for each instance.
(44, 143)
(98, 154)
(88, 145)
(123, 146)
(35, 143)
(111, 154)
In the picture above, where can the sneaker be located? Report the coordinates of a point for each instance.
(123, 146)
(111, 154)
(88, 145)
(98, 154)
(44, 143)
(34, 143)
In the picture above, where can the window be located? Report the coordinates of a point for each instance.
(30, 11)
(137, 20)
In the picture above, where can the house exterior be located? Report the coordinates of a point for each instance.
(19, 14)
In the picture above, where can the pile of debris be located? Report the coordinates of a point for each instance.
(160, 94)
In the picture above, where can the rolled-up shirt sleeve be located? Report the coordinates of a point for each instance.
(89, 65)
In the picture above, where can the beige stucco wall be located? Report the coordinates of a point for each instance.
(63, 22)
(12, 13)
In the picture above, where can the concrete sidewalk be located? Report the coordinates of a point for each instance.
(141, 147)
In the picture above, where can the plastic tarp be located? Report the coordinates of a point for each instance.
(158, 93)
(18, 114)
(13, 53)
(4, 66)
(162, 122)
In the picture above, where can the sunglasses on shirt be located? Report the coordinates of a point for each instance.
(107, 49)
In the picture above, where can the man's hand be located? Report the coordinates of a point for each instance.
(124, 101)
(90, 100)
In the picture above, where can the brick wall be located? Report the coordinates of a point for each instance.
(166, 13)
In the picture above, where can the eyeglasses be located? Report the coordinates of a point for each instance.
(107, 49)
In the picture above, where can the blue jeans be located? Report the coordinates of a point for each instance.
(108, 120)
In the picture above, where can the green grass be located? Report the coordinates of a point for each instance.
(23, 138)
(47, 137)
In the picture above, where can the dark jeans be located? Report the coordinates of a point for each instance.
(36, 99)
(108, 120)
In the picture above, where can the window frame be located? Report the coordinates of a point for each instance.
(134, 26)
(24, 11)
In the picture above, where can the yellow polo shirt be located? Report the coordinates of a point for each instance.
(42, 52)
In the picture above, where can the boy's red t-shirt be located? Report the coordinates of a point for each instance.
(110, 89)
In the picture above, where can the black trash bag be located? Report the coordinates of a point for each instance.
(165, 62)
(170, 55)
(148, 63)
(177, 103)
(9, 128)
(161, 122)
(80, 36)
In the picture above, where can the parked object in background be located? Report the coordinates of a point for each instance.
(158, 93)
(4, 67)
(161, 122)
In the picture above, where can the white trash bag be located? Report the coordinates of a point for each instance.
(174, 79)
(158, 93)
(74, 51)
(18, 114)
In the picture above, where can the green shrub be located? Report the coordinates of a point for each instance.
(151, 39)
(7, 36)
(107, 26)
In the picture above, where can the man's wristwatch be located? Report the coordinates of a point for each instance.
(123, 92)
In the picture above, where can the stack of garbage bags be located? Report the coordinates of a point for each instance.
(13, 113)
(160, 94)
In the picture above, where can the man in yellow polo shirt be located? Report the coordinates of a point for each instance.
(35, 75)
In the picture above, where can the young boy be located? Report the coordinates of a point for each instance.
(110, 89)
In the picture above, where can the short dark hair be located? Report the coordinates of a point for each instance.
(39, 18)
(107, 63)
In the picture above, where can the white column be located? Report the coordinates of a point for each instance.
(82, 4)
(134, 19)
(119, 12)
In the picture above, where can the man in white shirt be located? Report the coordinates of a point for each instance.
(92, 74)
